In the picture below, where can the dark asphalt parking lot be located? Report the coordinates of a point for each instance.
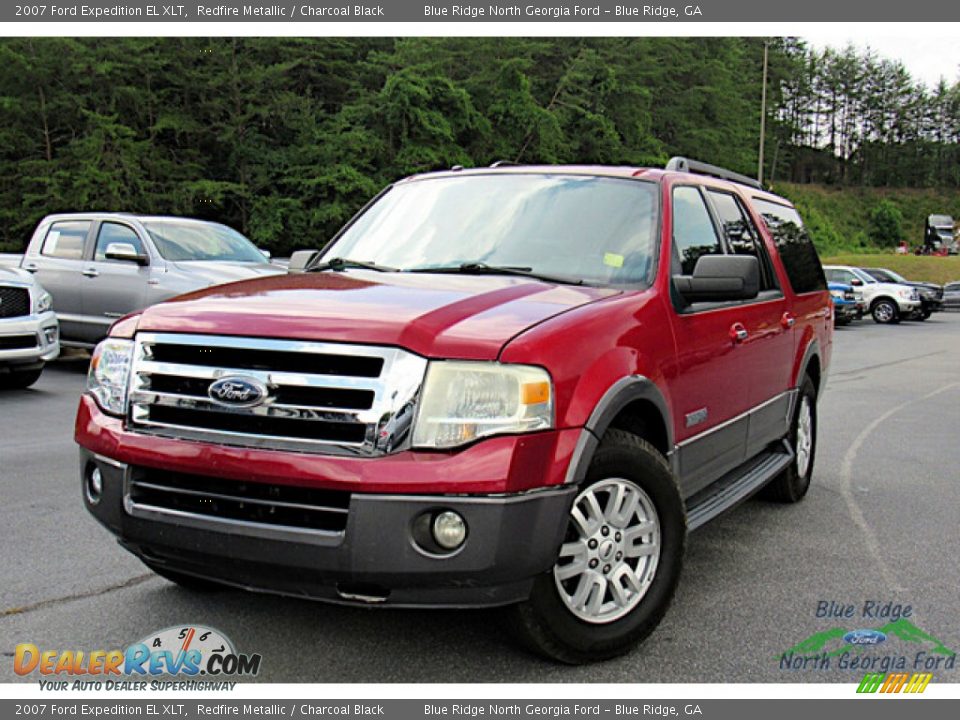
(880, 524)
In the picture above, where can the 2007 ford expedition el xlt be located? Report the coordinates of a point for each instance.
(509, 386)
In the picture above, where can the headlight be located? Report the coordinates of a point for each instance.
(465, 401)
(109, 374)
(44, 303)
(907, 294)
(837, 294)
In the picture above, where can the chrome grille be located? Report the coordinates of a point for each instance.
(320, 397)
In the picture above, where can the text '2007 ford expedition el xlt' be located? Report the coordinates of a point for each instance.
(514, 386)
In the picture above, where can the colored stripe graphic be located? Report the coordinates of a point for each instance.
(894, 683)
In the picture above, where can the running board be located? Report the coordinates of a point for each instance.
(737, 485)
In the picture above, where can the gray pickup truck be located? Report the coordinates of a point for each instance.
(101, 266)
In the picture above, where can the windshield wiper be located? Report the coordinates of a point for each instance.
(340, 264)
(481, 268)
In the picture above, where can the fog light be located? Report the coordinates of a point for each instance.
(94, 485)
(51, 335)
(449, 530)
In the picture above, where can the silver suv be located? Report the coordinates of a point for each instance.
(29, 332)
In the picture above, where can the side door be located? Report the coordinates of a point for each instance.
(805, 275)
(112, 288)
(709, 389)
(765, 354)
(57, 263)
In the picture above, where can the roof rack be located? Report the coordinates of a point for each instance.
(682, 164)
(502, 163)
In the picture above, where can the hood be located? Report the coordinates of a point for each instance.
(216, 273)
(455, 316)
(15, 275)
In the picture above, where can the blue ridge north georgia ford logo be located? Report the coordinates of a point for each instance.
(236, 391)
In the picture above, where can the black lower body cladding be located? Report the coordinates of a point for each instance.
(510, 540)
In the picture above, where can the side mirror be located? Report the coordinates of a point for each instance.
(265, 253)
(856, 282)
(300, 259)
(719, 278)
(125, 252)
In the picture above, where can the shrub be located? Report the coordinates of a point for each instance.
(886, 224)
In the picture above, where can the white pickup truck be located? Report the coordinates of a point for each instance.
(29, 332)
(101, 266)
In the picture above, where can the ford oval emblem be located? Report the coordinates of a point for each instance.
(234, 391)
(864, 637)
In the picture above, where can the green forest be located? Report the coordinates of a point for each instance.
(285, 138)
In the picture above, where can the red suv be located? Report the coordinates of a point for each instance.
(509, 386)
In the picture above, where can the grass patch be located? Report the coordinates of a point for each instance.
(913, 267)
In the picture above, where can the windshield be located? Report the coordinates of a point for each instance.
(180, 241)
(600, 230)
(940, 221)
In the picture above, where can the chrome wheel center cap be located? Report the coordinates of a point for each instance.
(607, 550)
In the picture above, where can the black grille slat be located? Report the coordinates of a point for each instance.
(14, 302)
(268, 360)
(18, 342)
(347, 399)
(349, 432)
(254, 502)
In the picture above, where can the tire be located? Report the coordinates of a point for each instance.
(925, 313)
(563, 622)
(187, 582)
(792, 484)
(885, 311)
(20, 379)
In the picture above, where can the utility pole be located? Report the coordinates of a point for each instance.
(763, 112)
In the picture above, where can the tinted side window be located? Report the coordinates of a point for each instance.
(794, 245)
(66, 239)
(741, 234)
(693, 231)
(115, 233)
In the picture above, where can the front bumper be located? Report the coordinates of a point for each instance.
(511, 539)
(846, 311)
(44, 327)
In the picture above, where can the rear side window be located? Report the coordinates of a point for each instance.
(741, 234)
(693, 231)
(794, 245)
(66, 239)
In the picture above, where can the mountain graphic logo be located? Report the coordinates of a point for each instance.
(831, 642)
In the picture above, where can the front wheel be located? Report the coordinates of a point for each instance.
(620, 561)
(885, 311)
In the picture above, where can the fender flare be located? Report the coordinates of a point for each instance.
(618, 396)
(812, 351)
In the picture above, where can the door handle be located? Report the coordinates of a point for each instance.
(738, 333)
(31, 267)
(91, 272)
(787, 321)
